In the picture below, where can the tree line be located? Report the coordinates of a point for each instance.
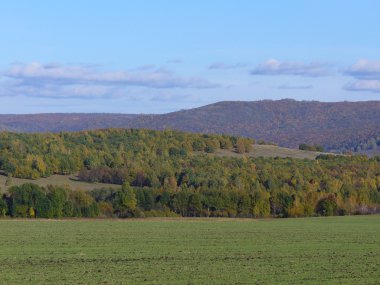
(33, 156)
(311, 147)
(372, 143)
(174, 173)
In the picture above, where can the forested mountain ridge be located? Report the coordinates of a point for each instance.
(336, 126)
(288, 123)
(60, 122)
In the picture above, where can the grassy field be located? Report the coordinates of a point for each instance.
(58, 180)
(336, 250)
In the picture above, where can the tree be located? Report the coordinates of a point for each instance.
(195, 204)
(29, 200)
(125, 201)
(129, 198)
(3, 206)
(327, 206)
(180, 202)
(260, 203)
(240, 147)
(83, 205)
(58, 198)
(311, 147)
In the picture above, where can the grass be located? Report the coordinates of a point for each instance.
(336, 250)
(58, 180)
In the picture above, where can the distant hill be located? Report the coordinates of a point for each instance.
(286, 122)
(57, 122)
(336, 126)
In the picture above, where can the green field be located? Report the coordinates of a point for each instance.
(336, 250)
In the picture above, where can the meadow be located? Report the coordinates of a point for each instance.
(332, 250)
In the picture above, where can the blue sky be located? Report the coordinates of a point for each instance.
(161, 56)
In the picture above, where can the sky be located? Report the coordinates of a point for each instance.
(161, 56)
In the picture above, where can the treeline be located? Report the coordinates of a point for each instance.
(33, 156)
(277, 187)
(174, 173)
(218, 187)
(372, 143)
(311, 147)
(30, 200)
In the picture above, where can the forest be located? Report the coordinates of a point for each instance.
(171, 173)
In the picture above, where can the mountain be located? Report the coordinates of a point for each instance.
(336, 126)
(63, 122)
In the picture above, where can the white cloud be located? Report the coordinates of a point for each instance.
(58, 74)
(62, 81)
(366, 74)
(364, 85)
(275, 67)
(365, 69)
(11, 89)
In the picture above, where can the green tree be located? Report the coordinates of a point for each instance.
(195, 204)
(3, 207)
(129, 200)
(327, 206)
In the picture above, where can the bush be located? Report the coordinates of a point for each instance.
(327, 206)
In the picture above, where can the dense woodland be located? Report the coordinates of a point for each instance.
(172, 173)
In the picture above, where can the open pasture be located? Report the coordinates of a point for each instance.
(336, 250)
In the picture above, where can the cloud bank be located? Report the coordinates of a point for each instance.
(275, 67)
(365, 69)
(55, 80)
(364, 85)
(366, 74)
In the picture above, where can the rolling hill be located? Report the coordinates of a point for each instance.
(72, 180)
(336, 126)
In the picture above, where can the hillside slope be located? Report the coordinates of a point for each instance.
(264, 151)
(286, 122)
(177, 173)
(341, 125)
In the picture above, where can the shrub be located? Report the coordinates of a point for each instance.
(327, 206)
